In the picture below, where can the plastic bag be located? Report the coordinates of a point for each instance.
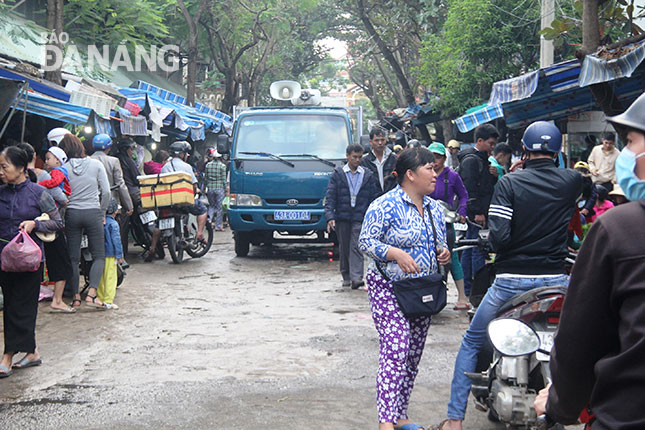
(22, 254)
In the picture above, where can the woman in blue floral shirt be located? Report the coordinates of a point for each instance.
(397, 235)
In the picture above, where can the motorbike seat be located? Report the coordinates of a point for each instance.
(530, 296)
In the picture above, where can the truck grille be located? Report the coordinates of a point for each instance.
(284, 201)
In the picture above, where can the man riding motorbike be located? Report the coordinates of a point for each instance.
(180, 152)
(528, 219)
(597, 357)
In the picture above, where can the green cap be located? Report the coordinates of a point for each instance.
(437, 148)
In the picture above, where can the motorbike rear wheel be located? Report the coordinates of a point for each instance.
(175, 249)
(197, 248)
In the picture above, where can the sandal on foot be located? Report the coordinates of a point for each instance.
(5, 372)
(94, 304)
(24, 363)
(74, 305)
(440, 425)
(410, 427)
(461, 307)
(65, 310)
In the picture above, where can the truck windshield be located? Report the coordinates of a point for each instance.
(325, 136)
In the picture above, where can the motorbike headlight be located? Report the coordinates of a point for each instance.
(245, 200)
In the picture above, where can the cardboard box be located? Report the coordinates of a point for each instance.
(166, 189)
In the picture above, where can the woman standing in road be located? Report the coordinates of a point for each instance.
(59, 266)
(395, 234)
(85, 211)
(21, 202)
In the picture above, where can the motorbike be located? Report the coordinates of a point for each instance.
(505, 384)
(179, 234)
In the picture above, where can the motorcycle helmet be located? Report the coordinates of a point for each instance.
(413, 143)
(55, 135)
(178, 147)
(101, 141)
(212, 152)
(633, 117)
(542, 136)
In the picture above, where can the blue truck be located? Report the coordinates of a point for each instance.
(281, 159)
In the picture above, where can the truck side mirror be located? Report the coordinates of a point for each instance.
(223, 144)
(365, 143)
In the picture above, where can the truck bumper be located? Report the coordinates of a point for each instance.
(260, 219)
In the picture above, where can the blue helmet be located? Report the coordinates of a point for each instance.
(542, 136)
(101, 141)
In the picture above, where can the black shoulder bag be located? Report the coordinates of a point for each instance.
(424, 296)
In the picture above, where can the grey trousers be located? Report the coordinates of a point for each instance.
(351, 258)
(90, 220)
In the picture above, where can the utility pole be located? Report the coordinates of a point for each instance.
(546, 46)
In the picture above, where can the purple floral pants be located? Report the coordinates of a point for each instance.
(401, 346)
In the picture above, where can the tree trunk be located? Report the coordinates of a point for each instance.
(193, 49)
(387, 54)
(446, 125)
(603, 93)
(55, 26)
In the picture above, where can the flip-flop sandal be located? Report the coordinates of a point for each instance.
(74, 305)
(410, 427)
(93, 303)
(67, 310)
(6, 372)
(25, 363)
(440, 425)
(461, 307)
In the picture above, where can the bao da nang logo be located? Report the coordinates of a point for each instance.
(59, 52)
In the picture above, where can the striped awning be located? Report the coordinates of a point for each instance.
(557, 93)
(40, 104)
(596, 70)
(472, 120)
(512, 89)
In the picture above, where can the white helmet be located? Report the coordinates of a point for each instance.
(55, 135)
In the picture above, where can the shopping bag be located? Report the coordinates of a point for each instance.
(22, 254)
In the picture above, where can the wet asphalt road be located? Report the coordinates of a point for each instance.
(269, 341)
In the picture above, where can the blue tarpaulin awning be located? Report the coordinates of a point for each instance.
(44, 87)
(50, 107)
(596, 70)
(556, 93)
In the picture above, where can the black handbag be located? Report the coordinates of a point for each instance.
(423, 296)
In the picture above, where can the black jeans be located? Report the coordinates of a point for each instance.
(20, 291)
(90, 221)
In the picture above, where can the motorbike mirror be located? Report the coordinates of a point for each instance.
(223, 144)
(513, 337)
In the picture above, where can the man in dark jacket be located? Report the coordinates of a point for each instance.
(350, 191)
(380, 160)
(597, 357)
(529, 215)
(480, 184)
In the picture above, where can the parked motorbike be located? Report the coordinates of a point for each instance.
(179, 233)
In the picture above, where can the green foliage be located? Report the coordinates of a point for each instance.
(110, 22)
(482, 41)
(615, 20)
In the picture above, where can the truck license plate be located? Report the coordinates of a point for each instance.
(166, 223)
(147, 217)
(546, 343)
(292, 215)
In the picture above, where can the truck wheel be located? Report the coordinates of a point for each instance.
(242, 244)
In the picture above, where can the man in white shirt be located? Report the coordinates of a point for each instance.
(602, 162)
